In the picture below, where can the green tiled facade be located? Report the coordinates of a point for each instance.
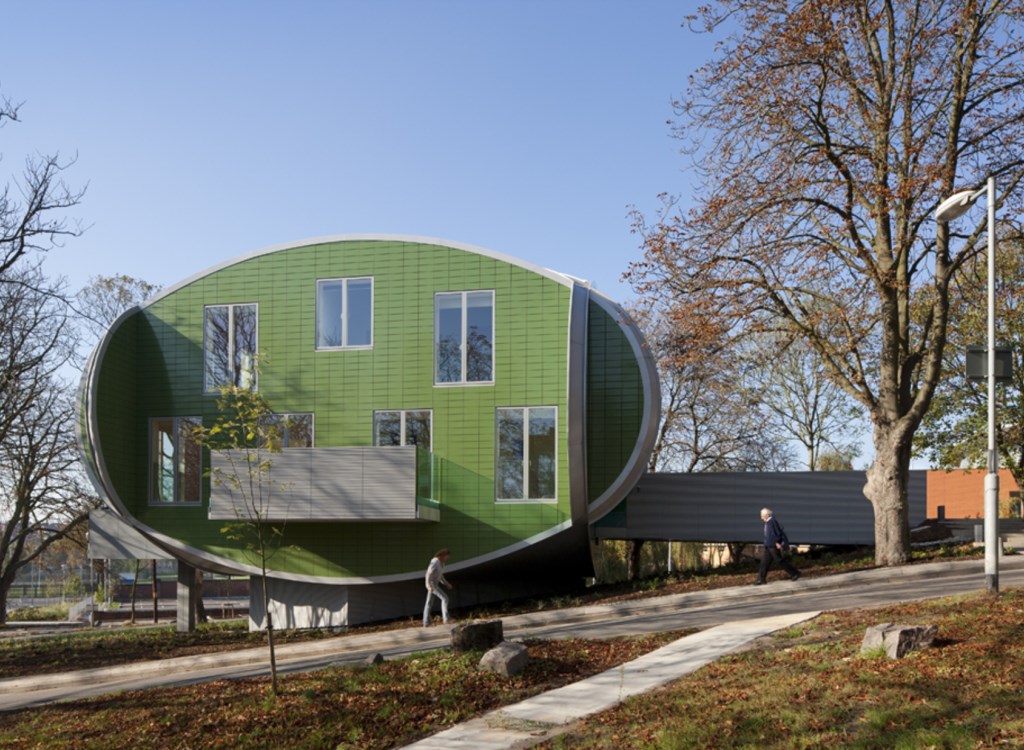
(151, 365)
(615, 401)
(154, 366)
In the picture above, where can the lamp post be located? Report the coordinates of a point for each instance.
(951, 208)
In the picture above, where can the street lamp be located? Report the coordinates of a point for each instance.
(952, 208)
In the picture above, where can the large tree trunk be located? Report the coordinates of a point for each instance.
(633, 548)
(886, 488)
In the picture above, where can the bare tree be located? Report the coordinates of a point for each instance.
(35, 340)
(33, 316)
(32, 206)
(43, 498)
(794, 389)
(710, 421)
(244, 436)
(42, 494)
(831, 130)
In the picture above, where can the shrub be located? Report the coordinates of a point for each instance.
(48, 613)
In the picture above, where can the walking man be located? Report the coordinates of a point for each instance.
(434, 579)
(776, 544)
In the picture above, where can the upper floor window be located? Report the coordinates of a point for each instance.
(344, 313)
(402, 427)
(229, 346)
(464, 337)
(527, 453)
(175, 460)
(293, 430)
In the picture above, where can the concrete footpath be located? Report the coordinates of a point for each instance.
(549, 714)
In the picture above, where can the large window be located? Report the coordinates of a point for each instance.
(176, 468)
(527, 454)
(402, 427)
(230, 345)
(344, 313)
(464, 337)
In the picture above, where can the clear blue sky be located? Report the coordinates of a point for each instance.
(210, 129)
(206, 130)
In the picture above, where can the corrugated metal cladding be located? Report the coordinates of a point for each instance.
(327, 484)
(813, 507)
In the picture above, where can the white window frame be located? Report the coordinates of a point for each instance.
(344, 313)
(463, 349)
(153, 498)
(525, 411)
(402, 422)
(215, 388)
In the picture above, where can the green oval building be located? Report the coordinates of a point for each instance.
(435, 395)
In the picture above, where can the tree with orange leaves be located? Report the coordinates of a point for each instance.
(824, 134)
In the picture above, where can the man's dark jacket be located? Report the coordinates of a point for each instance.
(773, 534)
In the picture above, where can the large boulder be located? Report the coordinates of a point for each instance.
(898, 640)
(507, 659)
(477, 635)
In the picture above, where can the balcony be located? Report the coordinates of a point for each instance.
(386, 483)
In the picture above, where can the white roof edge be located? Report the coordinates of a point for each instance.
(561, 278)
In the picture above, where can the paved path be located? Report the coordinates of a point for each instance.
(544, 716)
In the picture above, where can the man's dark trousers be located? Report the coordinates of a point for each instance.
(771, 554)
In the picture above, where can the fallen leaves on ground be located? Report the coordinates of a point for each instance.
(813, 689)
(370, 708)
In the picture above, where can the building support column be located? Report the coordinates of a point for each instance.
(186, 617)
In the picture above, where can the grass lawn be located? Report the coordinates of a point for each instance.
(809, 687)
(348, 708)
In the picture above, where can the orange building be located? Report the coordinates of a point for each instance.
(960, 493)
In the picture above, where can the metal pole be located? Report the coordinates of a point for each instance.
(992, 542)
